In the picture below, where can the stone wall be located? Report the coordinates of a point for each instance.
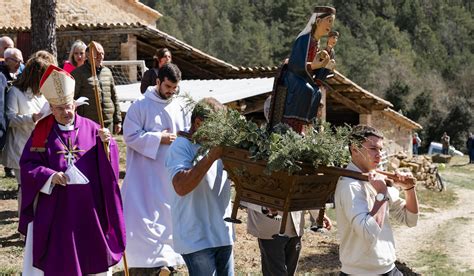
(397, 137)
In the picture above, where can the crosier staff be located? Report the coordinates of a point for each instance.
(92, 53)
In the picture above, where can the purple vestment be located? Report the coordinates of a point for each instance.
(78, 229)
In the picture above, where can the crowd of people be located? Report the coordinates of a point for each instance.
(171, 207)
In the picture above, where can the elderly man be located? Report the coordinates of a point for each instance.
(362, 209)
(107, 94)
(9, 69)
(11, 66)
(71, 209)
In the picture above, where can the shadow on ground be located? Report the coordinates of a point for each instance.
(328, 261)
(122, 174)
(8, 217)
(8, 194)
(12, 240)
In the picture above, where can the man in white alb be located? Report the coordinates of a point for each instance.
(150, 127)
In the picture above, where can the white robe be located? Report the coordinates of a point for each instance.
(147, 189)
(20, 108)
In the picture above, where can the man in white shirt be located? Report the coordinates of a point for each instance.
(362, 209)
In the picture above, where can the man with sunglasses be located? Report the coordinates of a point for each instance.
(149, 129)
(362, 209)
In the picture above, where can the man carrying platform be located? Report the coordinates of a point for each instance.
(362, 209)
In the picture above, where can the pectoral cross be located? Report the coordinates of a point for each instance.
(70, 152)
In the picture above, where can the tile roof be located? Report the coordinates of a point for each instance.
(18, 16)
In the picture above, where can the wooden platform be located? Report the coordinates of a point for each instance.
(307, 189)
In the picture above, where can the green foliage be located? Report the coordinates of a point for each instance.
(455, 122)
(396, 94)
(421, 106)
(283, 148)
(8, 184)
(288, 149)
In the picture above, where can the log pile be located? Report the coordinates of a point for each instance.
(421, 166)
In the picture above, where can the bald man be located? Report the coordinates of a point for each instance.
(5, 43)
(11, 66)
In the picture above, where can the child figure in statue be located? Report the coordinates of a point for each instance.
(303, 94)
(323, 73)
(333, 36)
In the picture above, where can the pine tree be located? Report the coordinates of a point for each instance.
(43, 26)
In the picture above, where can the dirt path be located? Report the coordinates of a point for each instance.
(451, 230)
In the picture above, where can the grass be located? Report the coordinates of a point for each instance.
(460, 178)
(459, 173)
(435, 199)
(123, 150)
(9, 270)
(456, 174)
(7, 184)
(433, 259)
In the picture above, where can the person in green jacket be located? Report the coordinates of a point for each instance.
(107, 93)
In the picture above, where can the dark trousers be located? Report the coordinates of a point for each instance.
(393, 272)
(280, 255)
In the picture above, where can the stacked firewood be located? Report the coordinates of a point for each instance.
(421, 166)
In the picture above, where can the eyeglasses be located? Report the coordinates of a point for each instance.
(15, 60)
